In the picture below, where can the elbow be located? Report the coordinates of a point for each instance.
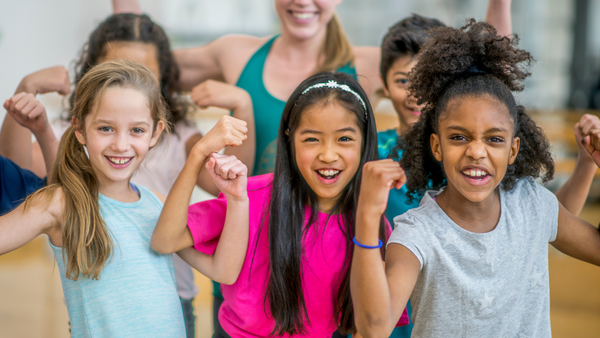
(373, 328)
(162, 248)
(226, 278)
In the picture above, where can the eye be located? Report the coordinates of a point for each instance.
(137, 130)
(105, 129)
(403, 82)
(496, 139)
(310, 139)
(345, 139)
(458, 137)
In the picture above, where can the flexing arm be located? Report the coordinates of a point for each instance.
(29, 113)
(171, 233)
(498, 15)
(43, 215)
(126, 6)
(577, 238)
(574, 192)
(230, 97)
(379, 295)
(15, 140)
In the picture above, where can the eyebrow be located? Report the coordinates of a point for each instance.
(401, 73)
(310, 131)
(491, 130)
(111, 122)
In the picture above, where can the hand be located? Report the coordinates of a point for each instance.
(378, 178)
(229, 131)
(587, 123)
(592, 144)
(229, 174)
(212, 93)
(28, 112)
(53, 79)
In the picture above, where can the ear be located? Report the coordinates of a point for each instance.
(436, 148)
(79, 128)
(384, 87)
(160, 126)
(514, 150)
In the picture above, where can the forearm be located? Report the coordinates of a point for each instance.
(49, 146)
(126, 6)
(230, 254)
(15, 140)
(574, 192)
(18, 228)
(498, 15)
(368, 283)
(247, 151)
(171, 233)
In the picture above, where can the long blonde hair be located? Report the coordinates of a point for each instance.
(87, 244)
(337, 50)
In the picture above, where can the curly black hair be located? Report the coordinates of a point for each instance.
(405, 38)
(128, 27)
(471, 61)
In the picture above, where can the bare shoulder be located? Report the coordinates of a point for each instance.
(367, 54)
(160, 196)
(366, 61)
(234, 52)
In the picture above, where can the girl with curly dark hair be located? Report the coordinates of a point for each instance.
(473, 257)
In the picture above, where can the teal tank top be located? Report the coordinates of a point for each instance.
(136, 295)
(267, 108)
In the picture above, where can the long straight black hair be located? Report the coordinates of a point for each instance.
(291, 194)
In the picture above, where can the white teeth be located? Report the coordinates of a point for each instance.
(119, 160)
(303, 16)
(475, 173)
(329, 173)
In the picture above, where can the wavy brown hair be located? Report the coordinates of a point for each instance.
(472, 61)
(128, 27)
(337, 50)
(87, 244)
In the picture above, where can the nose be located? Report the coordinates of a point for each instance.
(121, 142)
(413, 102)
(476, 150)
(328, 154)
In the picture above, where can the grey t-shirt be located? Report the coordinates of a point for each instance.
(492, 284)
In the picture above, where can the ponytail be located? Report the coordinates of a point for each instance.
(337, 50)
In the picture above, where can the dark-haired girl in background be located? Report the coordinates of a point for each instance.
(295, 277)
(473, 257)
(137, 38)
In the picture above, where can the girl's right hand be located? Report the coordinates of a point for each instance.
(229, 174)
(378, 178)
(28, 112)
(229, 131)
(48, 80)
(591, 142)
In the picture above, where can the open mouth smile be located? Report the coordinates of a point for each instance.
(476, 176)
(328, 176)
(303, 16)
(119, 162)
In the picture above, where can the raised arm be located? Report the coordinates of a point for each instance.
(171, 233)
(577, 238)
(15, 140)
(29, 113)
(575, 190)
(126, 6)
(224, 266)
(498, 15)
(20, 226)
(379, 295)
(223, 95)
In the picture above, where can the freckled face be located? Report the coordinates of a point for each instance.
(304, 19)
(475, 144)
(397, 83)
(327, 144)
(143, 53)
(118, 133)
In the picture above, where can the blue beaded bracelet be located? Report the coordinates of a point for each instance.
(367, 246)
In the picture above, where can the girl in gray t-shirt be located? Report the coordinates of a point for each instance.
(473, 257)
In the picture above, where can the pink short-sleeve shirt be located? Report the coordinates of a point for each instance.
(244, 312)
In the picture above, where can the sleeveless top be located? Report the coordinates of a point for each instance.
(136, 295)
(267, 108)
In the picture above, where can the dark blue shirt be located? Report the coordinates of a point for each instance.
(16, 184)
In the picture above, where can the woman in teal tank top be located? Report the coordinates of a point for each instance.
(267, 108)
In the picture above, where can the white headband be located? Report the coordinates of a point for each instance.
(334, 84)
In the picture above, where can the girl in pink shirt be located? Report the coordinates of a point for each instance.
(294, 279)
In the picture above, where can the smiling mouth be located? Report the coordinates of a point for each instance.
(328, 174)
(303, 15)
(119, 160)
(475, 174)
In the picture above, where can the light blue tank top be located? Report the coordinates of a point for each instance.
(136, 295)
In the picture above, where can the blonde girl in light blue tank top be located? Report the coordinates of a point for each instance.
(98, 223)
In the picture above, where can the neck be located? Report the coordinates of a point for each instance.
(120, 191)
(326, 205)
(298, 51)
(476, 217)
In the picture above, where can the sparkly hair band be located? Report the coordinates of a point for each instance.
(334, 84)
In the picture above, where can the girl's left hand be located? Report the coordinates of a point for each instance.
(28, 112)
(229, 174)
(587, 123)
(378, 178)
(592, 144)
(211, 93)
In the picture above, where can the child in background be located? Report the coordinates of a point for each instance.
(17, 183)
(138, 38)
(99, 224)
(294, 279)
(473, 257)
